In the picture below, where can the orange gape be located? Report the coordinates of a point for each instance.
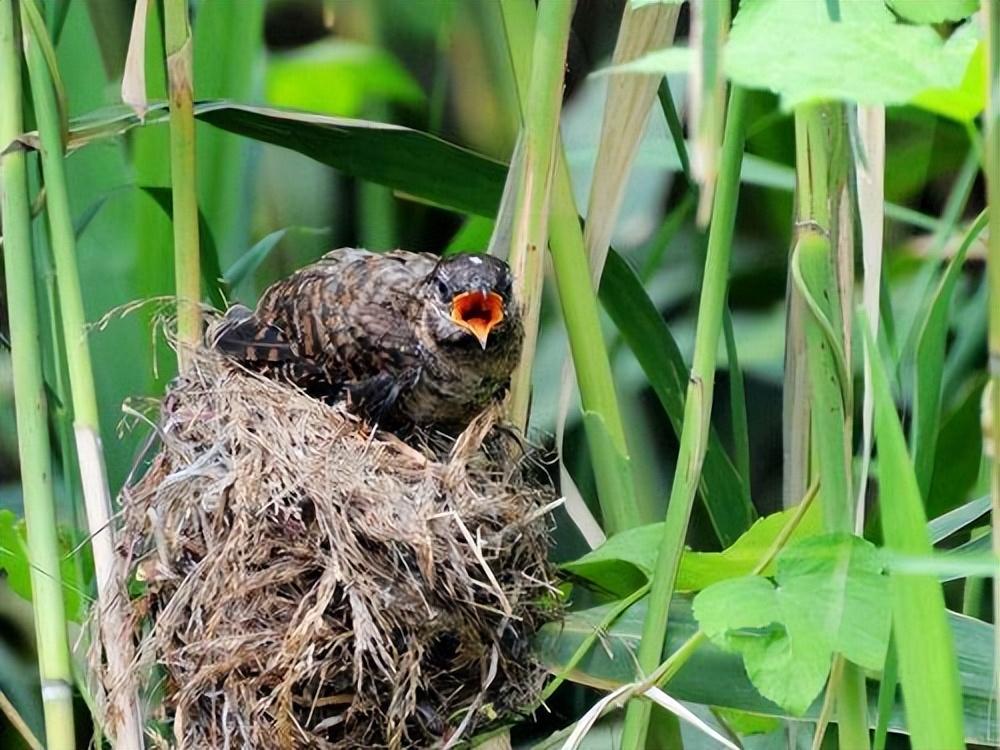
(478, 312)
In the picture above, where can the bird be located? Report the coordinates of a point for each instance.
(403, 338)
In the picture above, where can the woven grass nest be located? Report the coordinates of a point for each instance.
(311, 584)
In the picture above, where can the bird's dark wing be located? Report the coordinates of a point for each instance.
(246, 337)
(351, 313)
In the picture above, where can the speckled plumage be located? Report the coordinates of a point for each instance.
(377, 328)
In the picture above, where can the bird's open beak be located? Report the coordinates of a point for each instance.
(478, 312)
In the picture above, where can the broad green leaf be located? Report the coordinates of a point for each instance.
(623, 563)
(412, 162)
(430, 170)
(15, 562)
(626, 561)
(933, 11)
(831, 597)
(747, 723)
(338, 77)
(701, 569)
(642, 327)
(716, 677)
(794, 49)
(928, 675)
(965, 101)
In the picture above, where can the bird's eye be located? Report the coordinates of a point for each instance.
(442, 289)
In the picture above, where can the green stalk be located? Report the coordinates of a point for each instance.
(541, 100)
(86, 429)
(991, 142)
(187, 274)
(30, 404)
(697, 411)
(821, 160)
(602, 418)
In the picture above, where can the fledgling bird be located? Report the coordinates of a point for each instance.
(405, 338)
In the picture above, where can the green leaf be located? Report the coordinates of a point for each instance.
(929, 356)
(933, 11)
(248, 263)
(928, 675)
(716, 677)
(658, 62)
(626, 561)
(338, 77)
(747, 723)
(211, 273)
(866, 57)
(831, 597)
(965, 101)
(611, 470)
(15, 562)
(414, 163)
(945, 525)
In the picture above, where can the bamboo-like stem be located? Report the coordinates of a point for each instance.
(177, 42)
(818, 269)
(541, 102)
(30, 402)
(697, 411)
(605, 433)
(122, 717)
(991, 143)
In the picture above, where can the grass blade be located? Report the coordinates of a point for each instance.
(929, 676)
(930, 353)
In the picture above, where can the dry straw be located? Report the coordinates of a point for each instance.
(307, 583)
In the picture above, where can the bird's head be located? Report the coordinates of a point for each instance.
(471, 300)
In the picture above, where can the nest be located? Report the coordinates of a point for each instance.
(308, 583)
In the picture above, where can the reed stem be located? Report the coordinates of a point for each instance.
(187, 274)
(122, 718)
(697, 411)
(991, 143)
(30, 405)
